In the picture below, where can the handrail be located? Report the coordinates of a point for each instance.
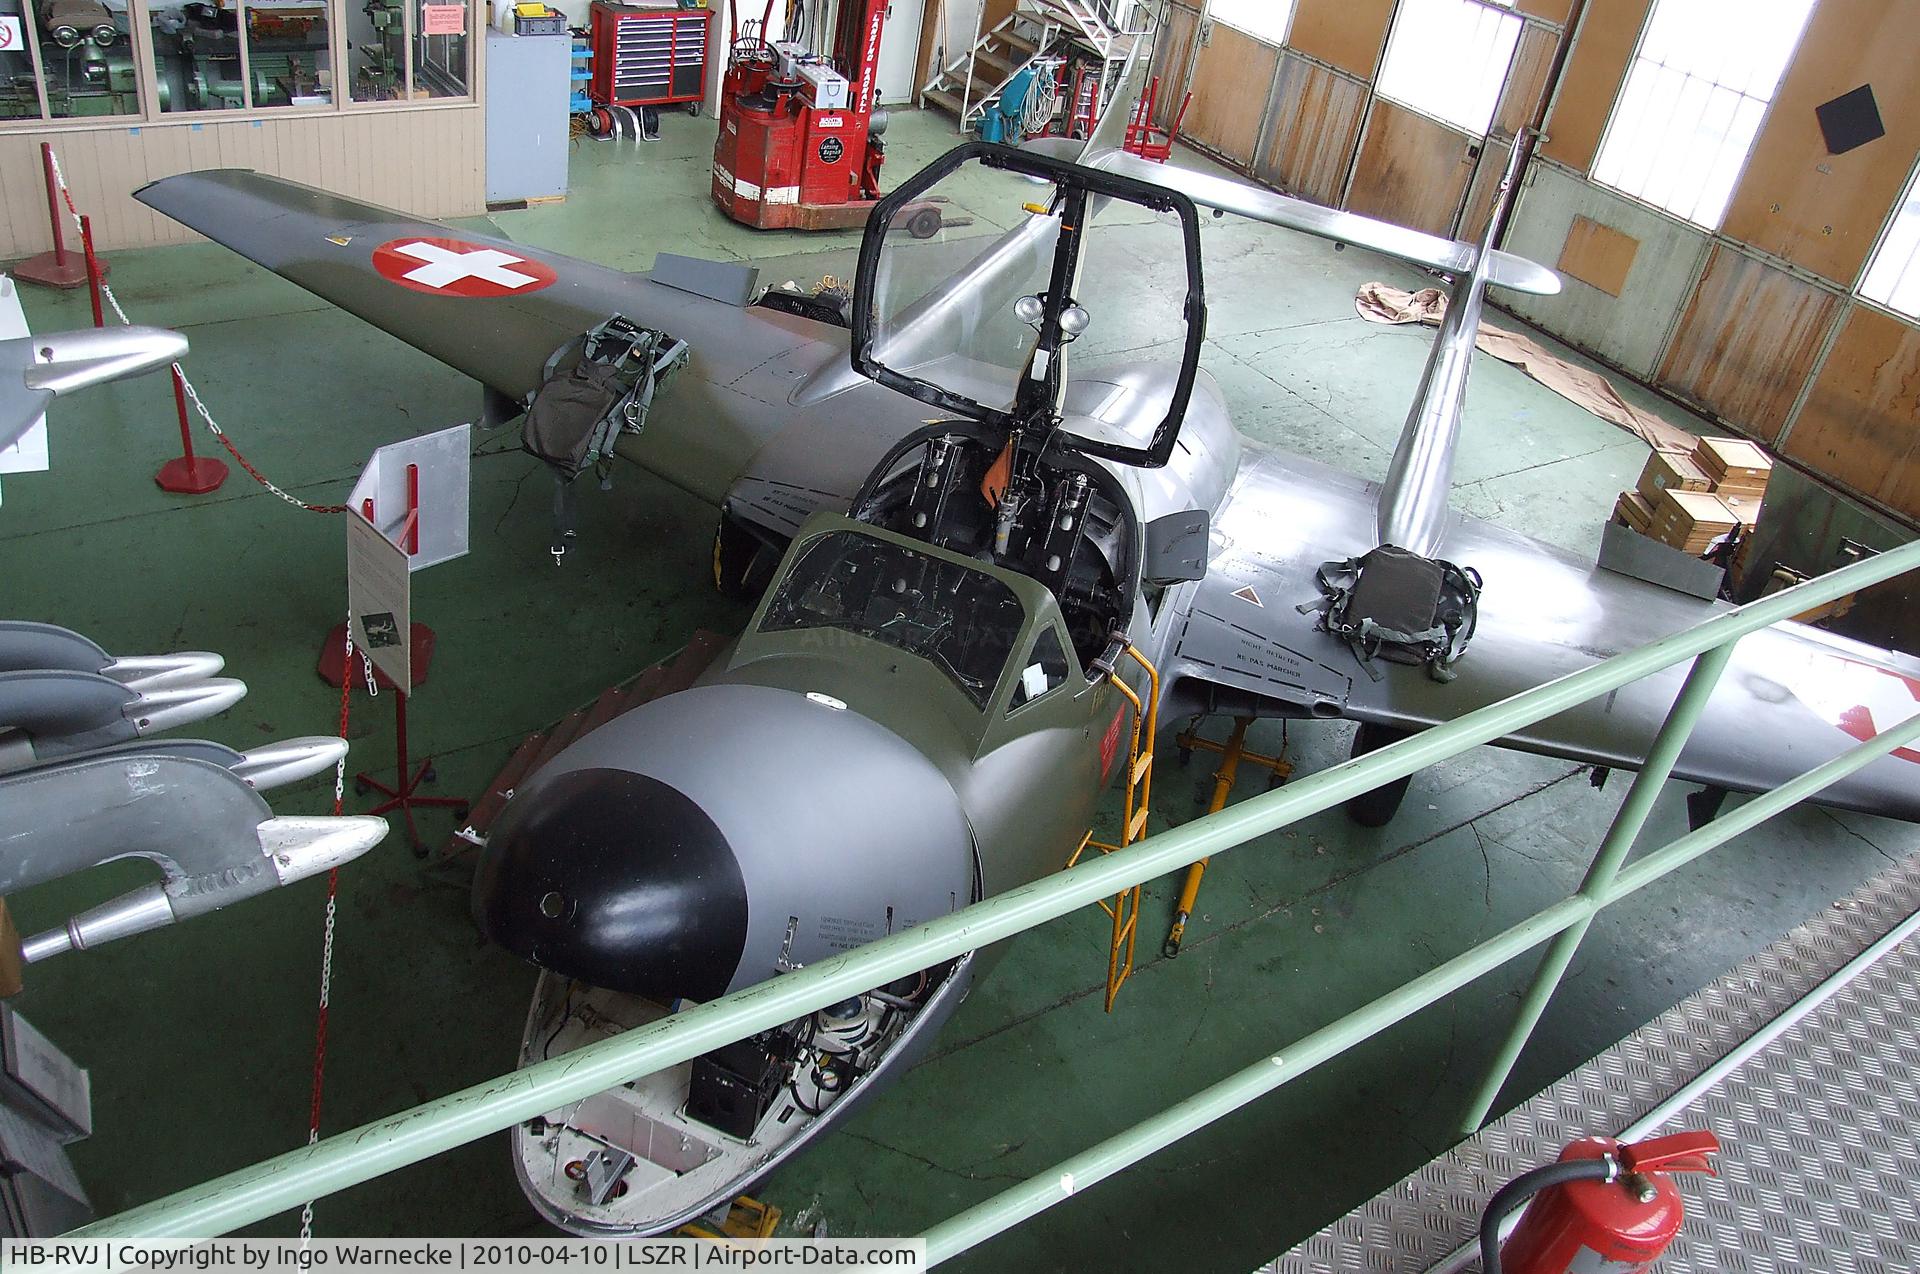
(287, 1180)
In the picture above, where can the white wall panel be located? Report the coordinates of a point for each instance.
(426, 162)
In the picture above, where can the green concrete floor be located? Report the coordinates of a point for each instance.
(198, 1038)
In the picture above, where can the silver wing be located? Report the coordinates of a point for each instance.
(1793, 697)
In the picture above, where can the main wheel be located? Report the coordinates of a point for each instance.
(739, 569)
(1377, 808)
(924, 224)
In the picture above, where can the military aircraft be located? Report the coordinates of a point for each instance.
(976, 511)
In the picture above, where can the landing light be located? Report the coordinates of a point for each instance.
(1074, 320)
(1028, 309)
(827, 701)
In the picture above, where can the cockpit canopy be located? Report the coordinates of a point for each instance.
(996, 637)
(952, 614)
(1089, 266)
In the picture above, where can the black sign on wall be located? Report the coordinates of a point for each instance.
(1850, 120)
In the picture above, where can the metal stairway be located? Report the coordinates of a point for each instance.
(968, 85)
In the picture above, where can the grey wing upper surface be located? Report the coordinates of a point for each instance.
(1792, 698)
(760, 393)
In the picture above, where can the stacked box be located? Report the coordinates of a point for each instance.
(1691, 520)
(1634, 511)
(1744, 506)
(1734, 467)
(1671, 471)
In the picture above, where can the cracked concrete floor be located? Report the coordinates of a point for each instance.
(198, 1039)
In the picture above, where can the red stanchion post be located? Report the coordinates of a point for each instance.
(93, 271)
(58, 268)
(404, 793)
(188, 474)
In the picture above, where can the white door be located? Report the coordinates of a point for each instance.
(899, 53)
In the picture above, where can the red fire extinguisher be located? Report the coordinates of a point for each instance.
(1604, 1208)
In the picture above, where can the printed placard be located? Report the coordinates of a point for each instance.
(443, 19)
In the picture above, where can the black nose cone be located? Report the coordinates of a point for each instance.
(616, 879)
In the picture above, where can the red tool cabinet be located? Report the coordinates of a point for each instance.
(649, 57)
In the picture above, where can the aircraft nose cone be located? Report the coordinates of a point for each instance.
(617, 879)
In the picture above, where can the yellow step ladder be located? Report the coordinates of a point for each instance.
(1124, 909)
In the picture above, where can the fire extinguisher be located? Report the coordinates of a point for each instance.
(1604, 1208)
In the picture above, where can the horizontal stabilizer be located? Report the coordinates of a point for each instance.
(1447, 255)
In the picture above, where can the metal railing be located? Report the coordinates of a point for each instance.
(345, 1159)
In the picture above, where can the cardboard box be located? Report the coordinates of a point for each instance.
(1633, 511)
(1733, 463)
(1691, 520)
(1745, 505)
(1671, 471)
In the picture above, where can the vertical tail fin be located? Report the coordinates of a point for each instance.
(1110, 133)
(1412, 513)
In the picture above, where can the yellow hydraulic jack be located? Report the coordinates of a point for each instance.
(747, 1218)
(1232, 753)
(1124, 910)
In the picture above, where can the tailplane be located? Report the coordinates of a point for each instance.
(1412, 513)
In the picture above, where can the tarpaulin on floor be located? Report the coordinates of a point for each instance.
(1378, 303)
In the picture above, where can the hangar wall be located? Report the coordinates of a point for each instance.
(316, 92)
(1757, 324)
(427, 160)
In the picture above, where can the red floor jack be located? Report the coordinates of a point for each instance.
(800, 140)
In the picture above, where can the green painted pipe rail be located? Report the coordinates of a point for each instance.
(288, 1180)
(1059, 1183)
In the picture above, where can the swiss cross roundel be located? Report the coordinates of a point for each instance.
(453, 267)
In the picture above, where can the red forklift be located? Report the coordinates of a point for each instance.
(800, 143)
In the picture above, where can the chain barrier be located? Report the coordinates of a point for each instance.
(346, 695)
(213, 426)
(326, 938)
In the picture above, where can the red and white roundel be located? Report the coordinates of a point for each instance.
(1860, 699)
(451, 267)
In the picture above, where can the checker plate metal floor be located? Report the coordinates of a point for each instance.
(1819, 1126)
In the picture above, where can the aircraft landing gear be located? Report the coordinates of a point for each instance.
(1377, 808)
(742, 562)
(1231, 753)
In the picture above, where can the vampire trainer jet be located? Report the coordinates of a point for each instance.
(974, 513)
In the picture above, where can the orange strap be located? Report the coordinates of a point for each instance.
(999, 473)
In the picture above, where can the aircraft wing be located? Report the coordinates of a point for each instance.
(1446, 255)
(1793, 697)
(496, 310)
(495, 317)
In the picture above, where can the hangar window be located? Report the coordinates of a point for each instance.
(92, 60)
(1694, 99)
(1265, 19)
(1449, 59)
(19, 87)
(1893, 276)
